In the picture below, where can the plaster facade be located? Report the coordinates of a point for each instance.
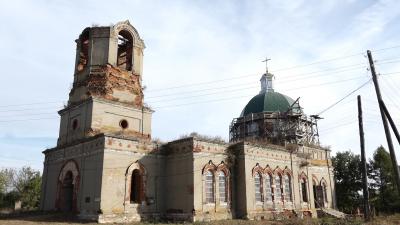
(107, 168)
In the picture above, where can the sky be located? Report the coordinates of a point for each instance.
(202, 64)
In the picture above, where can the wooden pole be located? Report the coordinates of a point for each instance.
(391, 122)
(363, 161)
(384, 121)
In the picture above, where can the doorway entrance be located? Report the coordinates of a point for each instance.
(67, 192)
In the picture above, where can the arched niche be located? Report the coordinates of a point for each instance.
(135, 184)
(68, 187)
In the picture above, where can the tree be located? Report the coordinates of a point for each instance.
(5, 196)
(348, 180)
(23, 184)
(384, 195)
(3, 182)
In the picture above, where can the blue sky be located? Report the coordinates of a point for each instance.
(192, 42)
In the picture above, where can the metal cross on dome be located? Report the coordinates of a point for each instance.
(266, 64)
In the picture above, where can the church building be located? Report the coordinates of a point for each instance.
(107, 168)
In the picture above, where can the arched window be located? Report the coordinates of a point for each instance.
(303, 185)
(125, 48)
(288, 188)
(136, 187)
(268, 188)
(209, 185)
(258, 187)
(222, 187)
(278, 188)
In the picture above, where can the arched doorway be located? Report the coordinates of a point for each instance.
(136, 187)
(68, 186)
(135, 184)
(67, 192)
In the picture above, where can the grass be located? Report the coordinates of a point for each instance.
(62, 219)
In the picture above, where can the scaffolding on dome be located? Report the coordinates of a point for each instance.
(280, 128)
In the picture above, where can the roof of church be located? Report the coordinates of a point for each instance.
(268, 102)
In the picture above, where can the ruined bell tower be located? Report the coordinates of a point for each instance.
(109, 65)
(104, 125)
(106, 95)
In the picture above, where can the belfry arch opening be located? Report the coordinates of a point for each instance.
(83, 57)
(125, 48)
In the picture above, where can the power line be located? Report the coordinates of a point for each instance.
(331, 106)
(336, 70)
(35, 103)
(308, 86)
(245, 76)
(252, 95)
(385, 49)
(337, 126)
(235, 97)
(283, 80)
(28, 114)
(6, 121)
(234, 85)
(230, 98)
(282, 69)
(25, 109)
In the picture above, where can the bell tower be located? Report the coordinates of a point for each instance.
(106, 95)
(109, 65)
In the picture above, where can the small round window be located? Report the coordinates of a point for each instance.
(123, 124)
(74, 124)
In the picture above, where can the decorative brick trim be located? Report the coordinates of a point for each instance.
(303, 176)
(210, 166)
(268, 171)
(257, 169)
(315, 179)
(288, 171)
(223, 167)
(278, 171)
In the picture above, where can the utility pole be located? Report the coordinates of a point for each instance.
(391, 122)
(363, 161)
(384, 121)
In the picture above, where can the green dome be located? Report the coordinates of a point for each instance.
(269, 101)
